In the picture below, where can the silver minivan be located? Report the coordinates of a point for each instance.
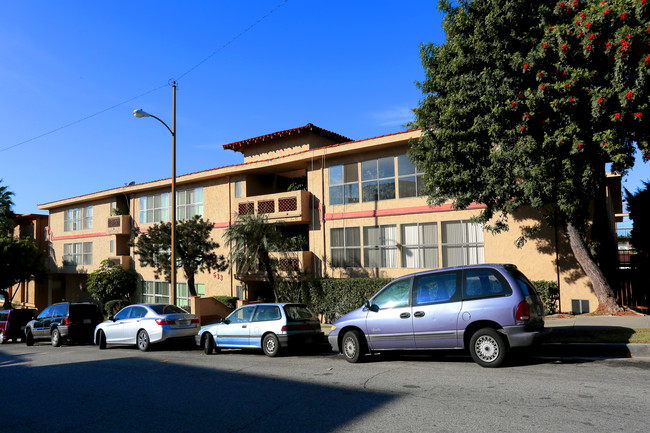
(486, 309)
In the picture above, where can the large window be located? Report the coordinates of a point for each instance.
(462, 243)
(157, 292)
(378, 179)
(420, 245)
(189, 203)
(346, 247)
(344, 184)
(183, 294)
(78, 219)
(79, 253)
(380, 246)
(154, 208)
(410, 181)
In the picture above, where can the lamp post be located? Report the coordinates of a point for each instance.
(140, 113)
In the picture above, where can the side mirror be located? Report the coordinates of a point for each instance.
(112, 318)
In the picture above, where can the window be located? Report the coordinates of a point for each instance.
(189, 203)
(485, 283)
(393, 296)
(345, 245)
(154, 208)
(380, 246)
(420, 245)
(378, 179)
(238, 188)
(410, 182)
(242, 315)
(462, 243)
(344, 184)
(78, 219)
(111, 246)
(267, 312)
(435, 288)
(183, 297)
(155, 292)
(80, 253)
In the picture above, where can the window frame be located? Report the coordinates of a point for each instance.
(382, 247)
(349, 188)
(368, 179)
(420, 246)
(346, 248)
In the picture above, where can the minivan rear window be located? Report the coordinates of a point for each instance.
(524, 284)
(485, 283)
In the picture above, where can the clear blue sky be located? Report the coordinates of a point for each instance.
(346, 66)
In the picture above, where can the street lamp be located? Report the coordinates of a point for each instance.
(140, 113)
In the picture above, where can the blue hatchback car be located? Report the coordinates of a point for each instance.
(486, 309)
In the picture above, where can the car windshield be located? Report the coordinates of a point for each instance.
(167, 309)
(298, 312)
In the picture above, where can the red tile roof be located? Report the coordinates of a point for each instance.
(239, 146)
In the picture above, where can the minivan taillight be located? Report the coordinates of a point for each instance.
(523, 313)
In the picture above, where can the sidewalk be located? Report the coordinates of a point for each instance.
(598, 321)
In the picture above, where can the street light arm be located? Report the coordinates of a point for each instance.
(140, 113)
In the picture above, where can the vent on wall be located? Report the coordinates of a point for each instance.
(579, 306)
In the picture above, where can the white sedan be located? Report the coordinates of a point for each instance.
(144, 324)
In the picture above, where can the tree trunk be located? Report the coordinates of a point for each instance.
(604, 293)
(190, 283)
(266, 261)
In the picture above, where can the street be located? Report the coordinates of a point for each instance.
(179, 389)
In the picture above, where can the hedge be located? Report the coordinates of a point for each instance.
(113, 307)
(549, 293)
(228, 301)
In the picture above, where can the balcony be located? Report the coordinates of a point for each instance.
(125, 261)
(119, 225)
(292, 263)
(290, 207)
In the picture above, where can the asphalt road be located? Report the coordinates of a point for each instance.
(76, 389)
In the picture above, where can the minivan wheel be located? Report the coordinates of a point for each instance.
(488, 348)
(353, 346)
(143, 340)
(101, 340)
(29, 338)
(56, 337)
(208, 343)
(271, 345)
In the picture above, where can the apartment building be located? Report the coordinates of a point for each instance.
(359, 207)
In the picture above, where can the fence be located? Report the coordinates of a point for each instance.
(634, 284)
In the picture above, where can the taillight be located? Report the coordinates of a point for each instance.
(195, 320)
(165, 322)
(523, 313)
(66, 321)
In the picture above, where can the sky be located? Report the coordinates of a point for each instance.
(71, 74)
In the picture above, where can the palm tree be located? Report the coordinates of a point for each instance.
(250, 238)
(6, 215)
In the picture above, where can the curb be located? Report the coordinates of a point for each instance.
(608, 350)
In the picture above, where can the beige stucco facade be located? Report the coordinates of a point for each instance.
(273, 162)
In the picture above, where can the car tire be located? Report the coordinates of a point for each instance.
(3, 340)
(271, 345)
(353, 346)
(101, 340)
(29, 338)
(488, 348)
(208, 343)
(142, 340)
(56, 337)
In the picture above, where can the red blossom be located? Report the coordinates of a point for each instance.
(541, 74)
(571, 100)
(600, 100)
(543, 87)
(638, 115)
(513, 103)
(550, 28)
(617, 116)
(579, 145)
(564, 48)
(527, 116)
(566, 86)
(591, 36)
(605, 144)
(589, 47)
(561, 4)
(522, 129)
(577, 22)
(624, 16)
(629, 95)
(606, 12)
(588, 25)
(582, 15)
(608, 45)
(526, 66)
(647, 61)
(580, 34)
(603, 2)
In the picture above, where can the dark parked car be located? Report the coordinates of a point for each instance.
(12, 323)
(64, 321)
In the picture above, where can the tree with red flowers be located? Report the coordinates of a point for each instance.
(524, 105)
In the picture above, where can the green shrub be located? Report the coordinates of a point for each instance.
(549, 293)
(112, 307)
(228, 301)
(334, 297)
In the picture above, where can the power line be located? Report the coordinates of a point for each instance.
(215, 52)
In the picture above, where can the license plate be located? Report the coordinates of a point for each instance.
(86, 321)
(183, 322)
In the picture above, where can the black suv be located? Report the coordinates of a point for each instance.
(12, 323)
(64, 321)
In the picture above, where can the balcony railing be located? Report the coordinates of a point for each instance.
(290, 207)
(119, 225)
(287, 265)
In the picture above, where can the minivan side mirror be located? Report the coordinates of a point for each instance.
(371, 307)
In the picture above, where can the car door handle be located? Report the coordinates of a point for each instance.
(405, 315)
(243, 326)
(419, 314)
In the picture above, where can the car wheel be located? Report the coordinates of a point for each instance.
(29, 338)
(488, 348)
(143, 340)
(353, 346)
(3, 340)
(56, 337)
(271, 345)
(208, 343)
(101, 340)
